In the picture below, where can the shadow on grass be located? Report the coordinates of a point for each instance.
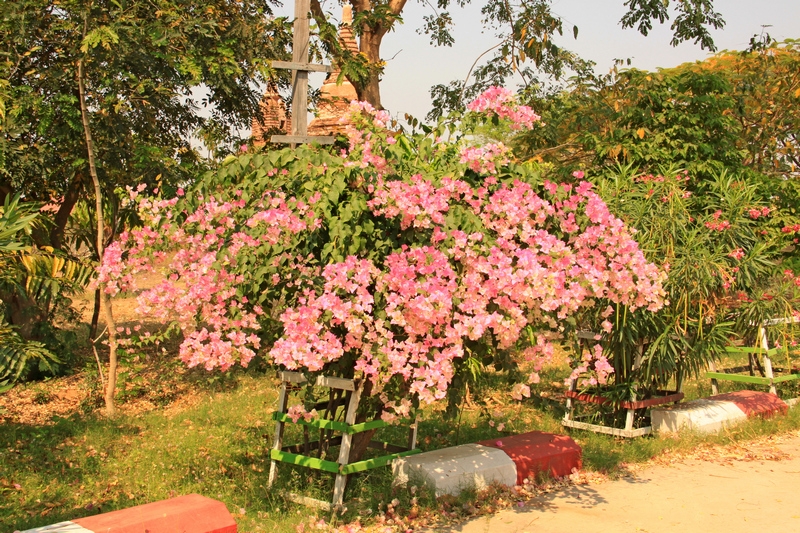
(41, 471)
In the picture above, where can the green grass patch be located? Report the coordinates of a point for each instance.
(83, 465)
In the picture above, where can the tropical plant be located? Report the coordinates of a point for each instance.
(41, 278)
(17, 356)
(714, 237)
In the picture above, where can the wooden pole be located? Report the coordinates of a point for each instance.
(300, 41)
(300, 68)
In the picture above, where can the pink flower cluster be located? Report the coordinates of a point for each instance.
(502, 102)
(539, 260)
(362, 123)
(527, 260)
(794, 228)
(200, 290)
(716, 224)
(757, 212)
(296, 412)
(419, 202)
(485, 159)
(790, 276)
(737, 254)
(594, 368)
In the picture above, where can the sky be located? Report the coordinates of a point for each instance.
(413, 65)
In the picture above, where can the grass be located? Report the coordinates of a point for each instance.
(219, 447)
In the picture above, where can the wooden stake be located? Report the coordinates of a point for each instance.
(344, 451)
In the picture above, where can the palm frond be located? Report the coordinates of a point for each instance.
(17, 355)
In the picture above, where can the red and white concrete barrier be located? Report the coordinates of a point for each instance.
(186, 514)
(507, 460)
(712, 414)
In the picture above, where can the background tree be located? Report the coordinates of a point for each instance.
(733, 110)
(526, 35)
(736, 111)
(103, 94)
(144, 61)
(644, 119)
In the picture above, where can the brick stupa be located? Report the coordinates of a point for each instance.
(335, 99)
(274, 118)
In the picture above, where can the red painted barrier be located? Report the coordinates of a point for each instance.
(186, 514)
(538, 452)
(754, 403)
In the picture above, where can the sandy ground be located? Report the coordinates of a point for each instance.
(751, 492)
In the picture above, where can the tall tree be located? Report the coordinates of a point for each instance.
(732, 110)
(525, 33)
(144, 63)
(100, 94)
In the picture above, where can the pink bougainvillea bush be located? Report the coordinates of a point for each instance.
(395, 258)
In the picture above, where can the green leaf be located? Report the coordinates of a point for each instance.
(103, 36)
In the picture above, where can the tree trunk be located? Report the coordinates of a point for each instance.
(360, 444)
(71, 197)
(23, 313)
(95, 314)
(5, 190)
(361, 441)
(370, 46)
(111, 382)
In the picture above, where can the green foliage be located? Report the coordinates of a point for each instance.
(734, 110)
(34, 285)
(15, 219)
(143, 61)
(691, 23)
(18, 356)
(643, 119)
(721, 261)
(530, 46)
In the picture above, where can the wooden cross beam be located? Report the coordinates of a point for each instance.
(301, 67)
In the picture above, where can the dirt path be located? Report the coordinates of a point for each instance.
(740, 493)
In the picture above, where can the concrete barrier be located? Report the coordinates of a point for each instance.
(451, 470)
(712, 414)
(539, 453)
(507, 460)
(186, 514)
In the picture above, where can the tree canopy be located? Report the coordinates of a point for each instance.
(733, 110)
(526, 32)
(143, 63)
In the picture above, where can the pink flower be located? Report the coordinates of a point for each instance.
(737, 254)
(519, 390)
(501, 102)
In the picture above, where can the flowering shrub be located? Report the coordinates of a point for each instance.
(392, 260)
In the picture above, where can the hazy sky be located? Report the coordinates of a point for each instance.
(413, 65)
